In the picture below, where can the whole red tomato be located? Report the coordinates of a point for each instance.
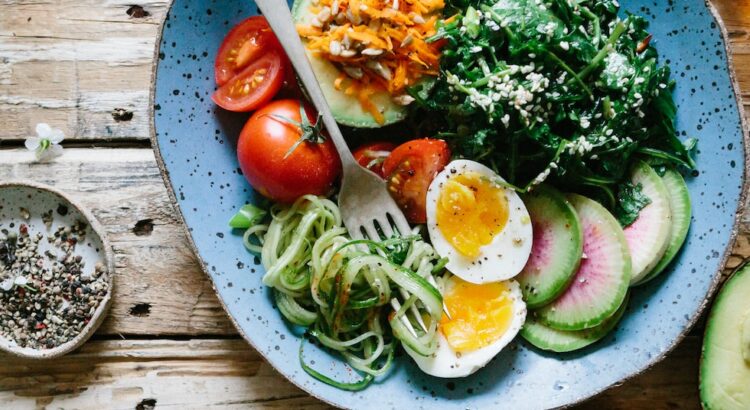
(274, 166)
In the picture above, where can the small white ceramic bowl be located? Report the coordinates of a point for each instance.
(38, 199)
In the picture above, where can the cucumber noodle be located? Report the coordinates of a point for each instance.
(357, 297)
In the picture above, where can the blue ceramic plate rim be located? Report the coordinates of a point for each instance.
(715, 282)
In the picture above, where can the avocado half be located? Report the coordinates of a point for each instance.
(725, 363)
(346, 109)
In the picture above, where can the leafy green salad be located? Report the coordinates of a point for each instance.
(555, 90)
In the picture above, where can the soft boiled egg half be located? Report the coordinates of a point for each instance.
(480, 321)
(482, 227)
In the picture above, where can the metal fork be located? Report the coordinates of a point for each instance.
(363, 199)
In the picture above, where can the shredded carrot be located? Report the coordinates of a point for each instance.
(451, 19)
(382, 41)
(308, 30)
(368, 105)
(339, 81)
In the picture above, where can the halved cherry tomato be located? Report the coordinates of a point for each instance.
(272, 162)
(245, 42)
(410, 169)
(256, 85)
(372, 156)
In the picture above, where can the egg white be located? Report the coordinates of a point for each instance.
(447, 363)
(505, 256)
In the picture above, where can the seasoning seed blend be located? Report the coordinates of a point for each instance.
(47, 296)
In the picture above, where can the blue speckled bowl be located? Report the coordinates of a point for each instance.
(195, 143)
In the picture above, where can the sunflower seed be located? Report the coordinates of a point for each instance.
(325, 14)
(348, 53)
(380, 69)
(334, 47)
(407, 40)
(353, 72)
(335, 7)
(354, 19)
(372, 51)
(417, 18)
(404, 99)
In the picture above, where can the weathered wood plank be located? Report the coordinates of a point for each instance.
(736, 16)
(671, 384)
(124, 373)
(70, 63)
(160, 288)
(227, 373)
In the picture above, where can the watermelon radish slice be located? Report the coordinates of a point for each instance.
(679, 204)
(648, 236)
(561, 341)
(556, 250)
(601, 282)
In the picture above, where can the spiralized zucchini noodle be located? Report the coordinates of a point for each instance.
(359, 298)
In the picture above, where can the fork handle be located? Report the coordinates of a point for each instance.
(280, 19)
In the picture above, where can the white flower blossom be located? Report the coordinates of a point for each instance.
(7, 284)
(46, 145)
(11, 282)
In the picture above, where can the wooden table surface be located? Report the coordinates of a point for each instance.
(167, 341)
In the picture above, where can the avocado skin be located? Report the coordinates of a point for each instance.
(725, 374)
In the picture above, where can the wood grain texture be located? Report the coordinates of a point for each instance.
(70, 63)
(736, 16)
(189, 374)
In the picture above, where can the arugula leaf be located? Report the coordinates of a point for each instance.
(630, 201)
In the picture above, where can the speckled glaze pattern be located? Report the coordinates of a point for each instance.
(195, 143)
(38, 199)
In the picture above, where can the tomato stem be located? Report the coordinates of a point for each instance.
(308, 132)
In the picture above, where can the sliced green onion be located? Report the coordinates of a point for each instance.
(247, 216)
(356, 386)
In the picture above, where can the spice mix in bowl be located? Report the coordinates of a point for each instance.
(56, 272)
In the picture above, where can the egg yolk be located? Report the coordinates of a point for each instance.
(479, 314)
(471, 210)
